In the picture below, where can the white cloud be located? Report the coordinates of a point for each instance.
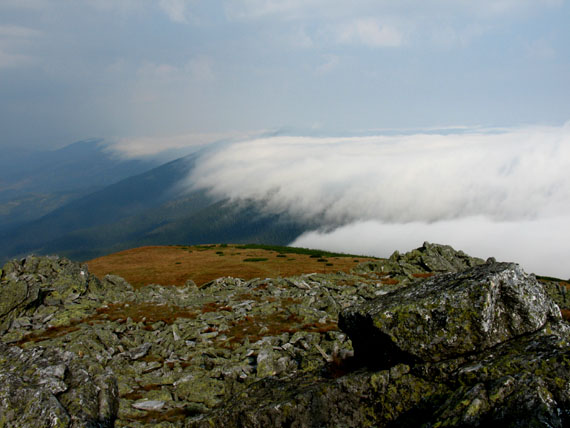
(540, 246)
(14, 42)
(541, 49)
(370, 32)
(169, 82)
(157, 71)
(25, 4)
(300, 38)
(8, 60)
(330, 62)
(503, 193)
(385, 23)
(520, 174)
(304, 9)
(503, 7)
(175, 9)
(201, 69)
(17, 32)
(255, 9)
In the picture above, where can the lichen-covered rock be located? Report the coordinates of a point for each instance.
(521, 383)
(359, 399)
(51, 388)
(34, 281)
(429, 258)
(268, 352)
(559, 291)
(449, 315)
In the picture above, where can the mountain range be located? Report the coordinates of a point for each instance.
(83, 202)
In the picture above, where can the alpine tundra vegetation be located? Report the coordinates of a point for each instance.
(430, 338)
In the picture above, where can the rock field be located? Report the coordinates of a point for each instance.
(429, 338)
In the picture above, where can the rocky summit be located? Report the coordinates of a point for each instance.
(430, 338)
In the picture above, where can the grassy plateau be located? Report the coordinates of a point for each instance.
(174, 265)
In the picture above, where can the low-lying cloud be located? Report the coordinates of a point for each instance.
(539, 245)
(517, 177)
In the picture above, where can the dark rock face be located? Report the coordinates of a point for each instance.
(483, 345)
(520, 383)
(50, 388)
(449, 315)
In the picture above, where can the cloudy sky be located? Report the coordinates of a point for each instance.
(392, 122)
(72, 69)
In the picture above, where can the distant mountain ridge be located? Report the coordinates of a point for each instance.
(32, 184)
(149, 208)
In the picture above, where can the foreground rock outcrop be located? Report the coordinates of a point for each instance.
(483, 346)
(52, 388)
(449, 315)
(428, 338)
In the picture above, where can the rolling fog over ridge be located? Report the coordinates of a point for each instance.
(504, 193)
(489, 192)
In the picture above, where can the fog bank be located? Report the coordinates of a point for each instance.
(540, 246)
(427, 186)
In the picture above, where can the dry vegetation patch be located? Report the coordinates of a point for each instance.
(174, 265)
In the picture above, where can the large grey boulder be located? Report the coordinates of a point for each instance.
(33, 281)
(449, 315)
(429, 258)
(51, 388)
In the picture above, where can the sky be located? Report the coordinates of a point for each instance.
(391, 122)
(200, 70)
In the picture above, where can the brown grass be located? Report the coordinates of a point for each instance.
(49, 333)
(143, 312)
(274, 324)
(423, 275)
(173, 265)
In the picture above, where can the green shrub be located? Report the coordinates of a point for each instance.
(297, 250)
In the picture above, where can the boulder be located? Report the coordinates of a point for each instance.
(521, 383)
(33, 281)
(429, 258)
(52, 388)
(448, 315)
